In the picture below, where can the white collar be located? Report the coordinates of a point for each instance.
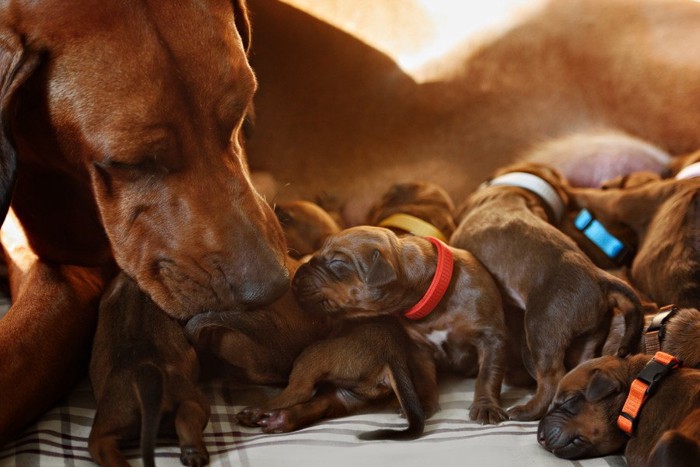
(690, 171)
(535, 184)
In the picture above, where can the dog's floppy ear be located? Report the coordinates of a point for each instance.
(16, 65)
(379, 272)
(602, 385)
(242, 20)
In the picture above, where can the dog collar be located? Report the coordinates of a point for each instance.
(599, 235)
(438, 286)
(643, 387)
(413, 225)
(655, 333)
(690, 171)
(535, 184)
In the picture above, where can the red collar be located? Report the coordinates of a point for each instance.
(438, 287)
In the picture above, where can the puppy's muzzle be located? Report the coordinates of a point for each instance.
(553, 435)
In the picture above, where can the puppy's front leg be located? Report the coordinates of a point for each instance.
(486, 408)
(191, 418)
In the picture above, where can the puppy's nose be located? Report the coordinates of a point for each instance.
(261, 292)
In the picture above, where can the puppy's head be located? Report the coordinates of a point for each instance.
(357, 271)
(581, 421)
(424, 200)
(631, 180)
(305, 225)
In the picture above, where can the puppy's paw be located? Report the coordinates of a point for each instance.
(487, 414)
(191, 456)
(277, 421)
(523, 413)
(250, 416)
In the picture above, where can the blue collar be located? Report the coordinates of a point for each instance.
(604, 240)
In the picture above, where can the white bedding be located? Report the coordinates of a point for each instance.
(450, 439)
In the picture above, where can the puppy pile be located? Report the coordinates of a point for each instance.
(376, 313)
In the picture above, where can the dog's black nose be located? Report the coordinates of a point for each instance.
(254, 294)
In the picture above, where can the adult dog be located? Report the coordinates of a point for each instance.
(121, 144)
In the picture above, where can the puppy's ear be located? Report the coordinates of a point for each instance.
(379, 272)
(602, 385)
(16, 65)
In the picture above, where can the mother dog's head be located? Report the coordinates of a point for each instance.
(139, 105)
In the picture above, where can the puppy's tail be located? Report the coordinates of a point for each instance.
(402, 384)
(625, 299)
(148, 385)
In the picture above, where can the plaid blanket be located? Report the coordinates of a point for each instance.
(450, 439)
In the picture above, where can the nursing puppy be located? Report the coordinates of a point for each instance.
(582, 420)
(370, 271)
(509, 225)
(419, 208)
(305, 225)
(361, 362)
(664, 214)
(142, 368)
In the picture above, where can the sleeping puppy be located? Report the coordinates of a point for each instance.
(509, 225)
(362, 362)
(142, 367)
(664, 214)
(418, 208)
(443, 296)
(584, 418)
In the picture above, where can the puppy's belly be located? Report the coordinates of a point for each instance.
(451, 356)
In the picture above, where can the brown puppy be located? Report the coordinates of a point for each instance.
(369, 271)
(664, 214)
(419, 208)
(305, 225)
(142, 368)
(364, 361)
(120, 142)
(582, 420)
(256, 346)
(675, 330)
(508, 225)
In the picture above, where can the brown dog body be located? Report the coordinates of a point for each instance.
(121, 143)
(582, 419)
(142, 369)
(369, 271)
(665, 216)
(363, 361)
(546, 275)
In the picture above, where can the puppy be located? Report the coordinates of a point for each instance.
(360, 363)
(448, 300)
(509, 225)
(664, 215)
(142, 367)
(418, 208)
(305, 225)
(675, 330)
(582, 420)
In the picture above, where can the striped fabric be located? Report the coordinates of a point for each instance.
(450, 439)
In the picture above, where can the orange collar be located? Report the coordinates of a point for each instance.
(643, 387)
(413, 225)
(438, 286)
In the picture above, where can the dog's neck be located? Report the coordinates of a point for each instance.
(439, 284)
(536, 185)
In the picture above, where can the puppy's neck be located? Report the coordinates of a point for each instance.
(537, 185)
